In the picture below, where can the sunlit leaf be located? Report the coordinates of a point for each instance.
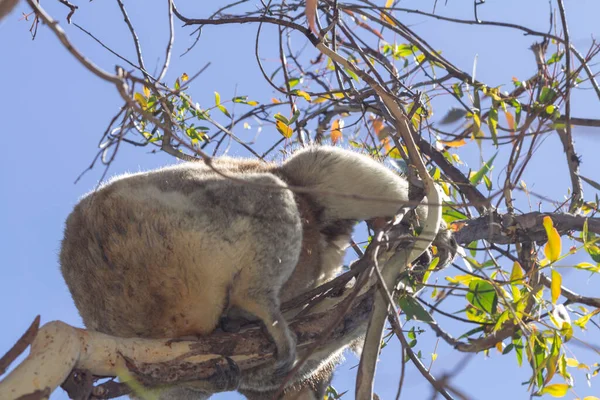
(352, 74)
(516, 278)
(294, 81)
(384, 17)
(303, 94)
(141, 100)
(478, 176)
(554, 58)
(556, 390)
(586, 266)
(552, 249)
(184, 77)
(224, 110)
(280, 117)
(336, 130)
(146, 91)
(457, 89)
(582, 321)
(454, 143)
(493, 124)
(555, 286)
(285, 130)
(483, 296)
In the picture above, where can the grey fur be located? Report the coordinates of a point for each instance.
(166, 253)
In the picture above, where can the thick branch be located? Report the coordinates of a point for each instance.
(500, 228)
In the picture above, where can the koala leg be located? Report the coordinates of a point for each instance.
(267, 310)
(271, 246)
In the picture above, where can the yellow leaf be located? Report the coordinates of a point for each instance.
(384, 17)
(336, 130)
(246, 125)
(553, 247)
(516, 275)
(141, 100)
(184, 77)
(571, 362)
(146, 92)
(591, 398)
(556, 390)
(454, 143)
(275, 101)
(555, 286)
(303, 94)
(500, 347)
(285, 130)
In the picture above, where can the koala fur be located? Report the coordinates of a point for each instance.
(167, 253)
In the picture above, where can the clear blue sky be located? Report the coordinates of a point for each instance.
(54, 111)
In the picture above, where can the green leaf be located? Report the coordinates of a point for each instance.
(294, 81)
(483, 296)
(405, 50)
(224, 110)
(493, 124)
(478, 176)
(590, 182)
(457, 89)
(554, 58)
(594, 252)
(582, 321)
(281, 118)
(352, 74)
(450, 214)
(517, 342)
(476, 100)
(472, 332)
(244, 100)
(217, 98)
(547, 95)
(414, 310)
(488, 183)
(295, 117)
(453, 115)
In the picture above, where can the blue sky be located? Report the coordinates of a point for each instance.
(54, 112)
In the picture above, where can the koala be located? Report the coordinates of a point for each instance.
(167, 253)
